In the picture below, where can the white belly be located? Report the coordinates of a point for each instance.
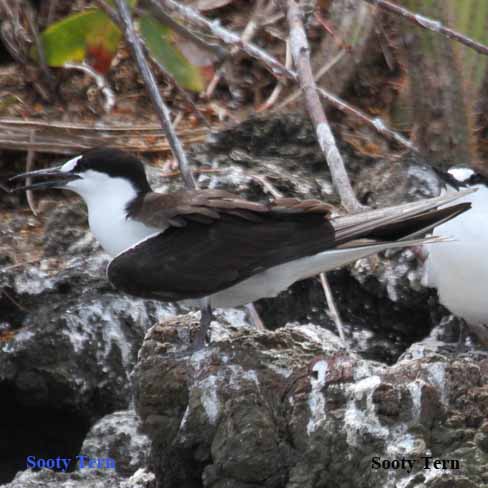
(115, 232)
(274, 280)
(459, 270)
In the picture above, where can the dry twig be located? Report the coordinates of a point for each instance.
(430, 24)
(279, 86)
(224, 35)
(70, 138)
(185, 32)
(247, 34)
(278, 69)
(28, 167)
(100, 81)
(377, 123)
(187, 98)
(300, 52)
(320, 73)
(45, 70)
(159, 105)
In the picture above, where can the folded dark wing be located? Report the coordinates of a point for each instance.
(216, 240)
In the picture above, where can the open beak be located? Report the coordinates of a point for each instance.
(49, 178)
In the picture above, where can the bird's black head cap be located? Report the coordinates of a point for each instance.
(115, 163)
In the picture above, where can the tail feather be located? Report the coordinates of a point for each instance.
(399, 222)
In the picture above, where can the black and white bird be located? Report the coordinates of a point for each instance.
(211, 248)
(459, 269)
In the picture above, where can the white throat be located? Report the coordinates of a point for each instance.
(107, 199)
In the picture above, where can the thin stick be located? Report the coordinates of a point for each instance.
(430, 24)
(247, 34)
(333, 310)
(112, 13)
(267, 186)
(48, 76)
(159, 105)
(28, 167)
(225, 35)
(67, 143)
(300, 52)
(185, 32)
(181, 91)
(100, 80)
(377, 123)
(277, 68)
(59, 124)
(109, 10)
(320, 73)
(279, 86)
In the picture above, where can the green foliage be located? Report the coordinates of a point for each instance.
(73, 38)
(160, 41)
(89, 35)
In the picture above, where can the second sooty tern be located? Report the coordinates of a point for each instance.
(459, 269)
(211, 248)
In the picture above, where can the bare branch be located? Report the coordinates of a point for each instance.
(186, 97)
(320, 73)
(29, 164)
(48, 76)
(70, 138)
(100, 80)
(277, 68)
(377, 123)
(247, 34)
(430, 24)
(225, 35)
(184, 31)
(300, 52)
(159, 105)
(109, 10)
(279, 86)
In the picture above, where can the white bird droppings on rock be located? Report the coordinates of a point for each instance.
(316, 399)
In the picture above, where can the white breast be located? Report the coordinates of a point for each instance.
(459, 270)
(107, 199)
(115, 232)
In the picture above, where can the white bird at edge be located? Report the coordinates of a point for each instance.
(459, 269)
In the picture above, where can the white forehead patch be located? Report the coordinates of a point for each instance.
(461, 174)
(69, 165)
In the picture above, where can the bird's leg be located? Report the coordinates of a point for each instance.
(461, 343)
(205, 321)
(255, 318)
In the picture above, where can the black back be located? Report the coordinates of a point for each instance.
(200, 259)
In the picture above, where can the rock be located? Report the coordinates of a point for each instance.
(69, 341)
(116, 436)
(291, 408)
(93, 478)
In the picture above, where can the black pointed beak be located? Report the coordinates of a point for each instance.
(48, 178)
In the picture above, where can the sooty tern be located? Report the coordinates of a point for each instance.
(459, 269)
(211, 248)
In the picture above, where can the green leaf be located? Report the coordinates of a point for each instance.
(75, 36)
(160, 42)
(89, 35)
